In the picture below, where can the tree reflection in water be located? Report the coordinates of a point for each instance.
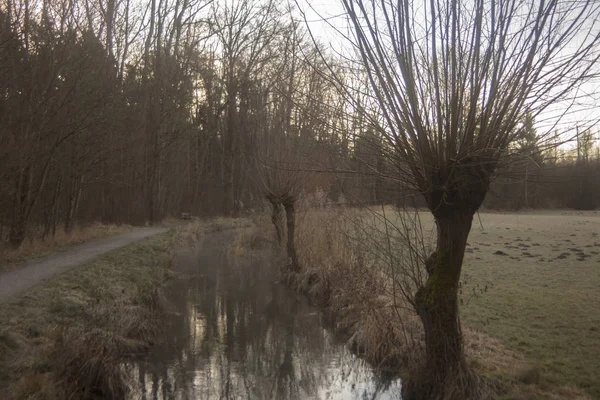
(240, 334)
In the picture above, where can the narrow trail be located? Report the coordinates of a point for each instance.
(34, 272)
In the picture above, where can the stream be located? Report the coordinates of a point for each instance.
(238, 333)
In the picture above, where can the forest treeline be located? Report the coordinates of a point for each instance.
(128, 112)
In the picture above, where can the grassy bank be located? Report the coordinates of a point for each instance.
(68, 337)
(506, 302)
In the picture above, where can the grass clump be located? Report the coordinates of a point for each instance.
(247, 241)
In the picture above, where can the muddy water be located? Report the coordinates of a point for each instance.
(240, 334)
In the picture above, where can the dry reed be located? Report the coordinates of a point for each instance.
(355, 293)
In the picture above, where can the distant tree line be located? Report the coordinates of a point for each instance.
(127, 112)
(539, 174)
(554, 177)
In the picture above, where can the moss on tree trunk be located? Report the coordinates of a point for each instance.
(457, 194)
(437, 306)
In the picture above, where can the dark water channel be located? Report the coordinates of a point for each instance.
(240, 334)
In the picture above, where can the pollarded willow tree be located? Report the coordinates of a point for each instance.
(282, 181)
(288, 127)
(452, 81)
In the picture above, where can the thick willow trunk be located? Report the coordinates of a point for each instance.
(276, 219)
(446, 374)
(457, 193)
(290, 214)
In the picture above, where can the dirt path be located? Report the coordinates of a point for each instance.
(34, 272)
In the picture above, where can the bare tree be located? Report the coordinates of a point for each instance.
(246, 31)
(293, 121)
(279, 149)
(452, 81)
(282, 181)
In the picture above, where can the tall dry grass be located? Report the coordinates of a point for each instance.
(340, 272)
(186, 234)
(339, 275)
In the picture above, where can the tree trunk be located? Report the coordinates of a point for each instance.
(230, 142)
(526, 184)
(446, 373)
(276, 219)
(290, 214)
(51, 210)
(17, 232)
(151, 211)
(21, 198)
(74, 198)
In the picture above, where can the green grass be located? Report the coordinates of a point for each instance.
(539, 298)
(543, 306)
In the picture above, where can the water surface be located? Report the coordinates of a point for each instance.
(238, 333)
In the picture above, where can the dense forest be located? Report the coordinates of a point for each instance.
(128, 112)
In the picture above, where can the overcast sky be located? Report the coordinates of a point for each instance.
(325, 17)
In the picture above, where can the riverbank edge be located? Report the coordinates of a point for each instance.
(68, 337)
(372, 336)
